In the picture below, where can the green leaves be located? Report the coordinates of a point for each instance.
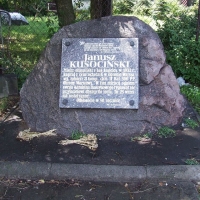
(191, 123)
(166, 132)
(52, 24)
(177, 30)
(76, 135)
(193, 95)
(192, 161)
(123, 6)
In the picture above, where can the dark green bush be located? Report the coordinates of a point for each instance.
(124, 6)
(21, 71)
(143, 7)
(136, 7)
(13, 65)
(177, 32)
(161, 11)
(52, 24)
(192, 93)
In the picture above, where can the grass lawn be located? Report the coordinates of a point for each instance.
(28, 41)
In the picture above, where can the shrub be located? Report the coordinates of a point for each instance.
(136, 7)
(193, 95)
(123, 6)
(191, 123)
(192, 161)
(143, 7)
(3, 104)
(14, 65)
(177, 33)
(52, 24)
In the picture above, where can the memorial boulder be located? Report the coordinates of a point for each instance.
(105, 76)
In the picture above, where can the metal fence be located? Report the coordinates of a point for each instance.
(24, 37)
(5, 24)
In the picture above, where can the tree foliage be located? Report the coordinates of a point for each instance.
(27, 7)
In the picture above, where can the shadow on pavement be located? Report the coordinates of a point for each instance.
(71, 190)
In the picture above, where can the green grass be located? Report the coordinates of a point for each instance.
(166, 132)
(27, 42)
(192, 93)
(192, 161)
(3, 104)
(191, 123)
(76, 135)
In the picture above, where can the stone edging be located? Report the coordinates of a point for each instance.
(86, 172)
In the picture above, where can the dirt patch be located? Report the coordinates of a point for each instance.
(111, 151)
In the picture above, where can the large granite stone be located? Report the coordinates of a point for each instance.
(160, 102)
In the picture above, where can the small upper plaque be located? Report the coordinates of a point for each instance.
(99, 73)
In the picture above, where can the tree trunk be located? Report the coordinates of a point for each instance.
(189, 2)
(100, 8)
(65, 12)
(107, 8)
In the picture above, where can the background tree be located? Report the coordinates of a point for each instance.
(65, 12)
(100, 8)
(4, 4)
(37, 6)
(66, 15)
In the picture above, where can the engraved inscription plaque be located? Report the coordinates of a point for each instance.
(99, 73)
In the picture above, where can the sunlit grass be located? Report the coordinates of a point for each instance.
(192, 93)
(28, 41)
(25, 45)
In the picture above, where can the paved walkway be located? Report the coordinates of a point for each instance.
(84, 181)
(79, 190)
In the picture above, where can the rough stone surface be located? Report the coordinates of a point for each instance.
(160, 102)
